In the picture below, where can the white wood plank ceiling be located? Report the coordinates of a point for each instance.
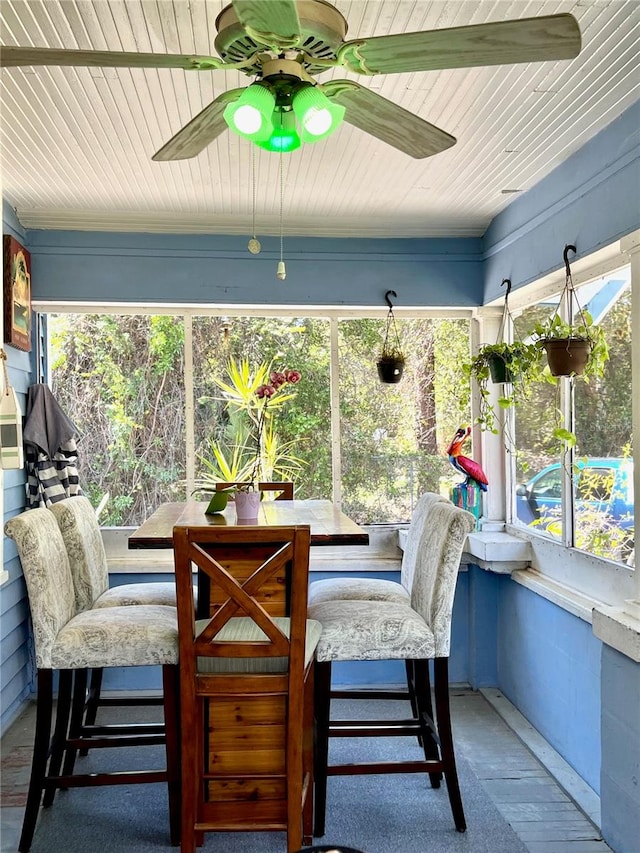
(77, 142)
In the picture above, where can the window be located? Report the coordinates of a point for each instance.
(583, 498)
(142, 392)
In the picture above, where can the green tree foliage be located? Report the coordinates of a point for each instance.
(120, 378)
(120, 381)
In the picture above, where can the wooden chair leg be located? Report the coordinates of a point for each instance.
(41, 744)
(191, 758)
(92, 700)
(308, 738)
(428, 734)
(322, 707)
(441, 689)
(59, 740)
(76, 721)
(171, 686)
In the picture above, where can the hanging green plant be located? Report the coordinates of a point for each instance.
(519, 363)
(515, 365)
(390, 364)
(575, 347)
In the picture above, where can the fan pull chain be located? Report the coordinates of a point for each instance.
(282, 272)
(253, 244)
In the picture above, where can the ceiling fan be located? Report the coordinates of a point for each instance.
(284, 44)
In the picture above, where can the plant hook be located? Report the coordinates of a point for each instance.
(388, 301)
(506, 281)
(565, 256)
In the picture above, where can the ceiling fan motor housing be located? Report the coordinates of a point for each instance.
(322, 32)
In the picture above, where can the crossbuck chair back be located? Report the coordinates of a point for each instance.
(284, 488)
(72, 641)
(416, 632)
(246, 675)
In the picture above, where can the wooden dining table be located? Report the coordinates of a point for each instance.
(328, 524)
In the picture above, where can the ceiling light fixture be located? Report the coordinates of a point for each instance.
(266, 112)
(250, 116)
(284, 136)
(317, 116)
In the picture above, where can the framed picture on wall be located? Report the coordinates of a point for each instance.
(17, 294)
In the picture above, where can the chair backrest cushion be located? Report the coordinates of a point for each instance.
(47, 573)
(80, 530)
(419, 518)
(437, 564)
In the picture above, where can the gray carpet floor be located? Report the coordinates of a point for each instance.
(376, 814)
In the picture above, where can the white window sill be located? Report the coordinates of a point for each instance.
(619, 627)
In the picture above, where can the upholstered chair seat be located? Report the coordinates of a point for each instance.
(371, 630)
(142, 635)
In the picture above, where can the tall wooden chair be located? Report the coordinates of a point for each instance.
(284, 488)
(416, 632)
(246, 682)
(70, 641)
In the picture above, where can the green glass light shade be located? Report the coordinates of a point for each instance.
(285, 136)
(317, 115)
(250, 115)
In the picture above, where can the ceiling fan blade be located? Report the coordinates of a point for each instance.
(200, 131)
(15, 56)
(272, 23)
(387, 121)
(500, 43)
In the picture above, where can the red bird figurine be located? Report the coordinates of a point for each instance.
(466, 466)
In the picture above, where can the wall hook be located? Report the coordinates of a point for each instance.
(506, 281)
(388, 301)
(565, 256)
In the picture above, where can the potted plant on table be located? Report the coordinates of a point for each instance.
(253, 451)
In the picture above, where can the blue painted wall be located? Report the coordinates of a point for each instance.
(148, 268)
(620, 774)
(549, 667)
(592, 199)
(16, 665)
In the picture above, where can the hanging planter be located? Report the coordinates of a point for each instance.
(516, 364)
(576, 346)
(498, 369)
(390, 364)
(567, 356)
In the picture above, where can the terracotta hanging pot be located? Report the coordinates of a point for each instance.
(567, 356)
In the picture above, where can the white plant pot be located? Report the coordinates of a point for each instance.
(247, 505)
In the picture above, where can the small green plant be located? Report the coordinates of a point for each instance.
(524, 366)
